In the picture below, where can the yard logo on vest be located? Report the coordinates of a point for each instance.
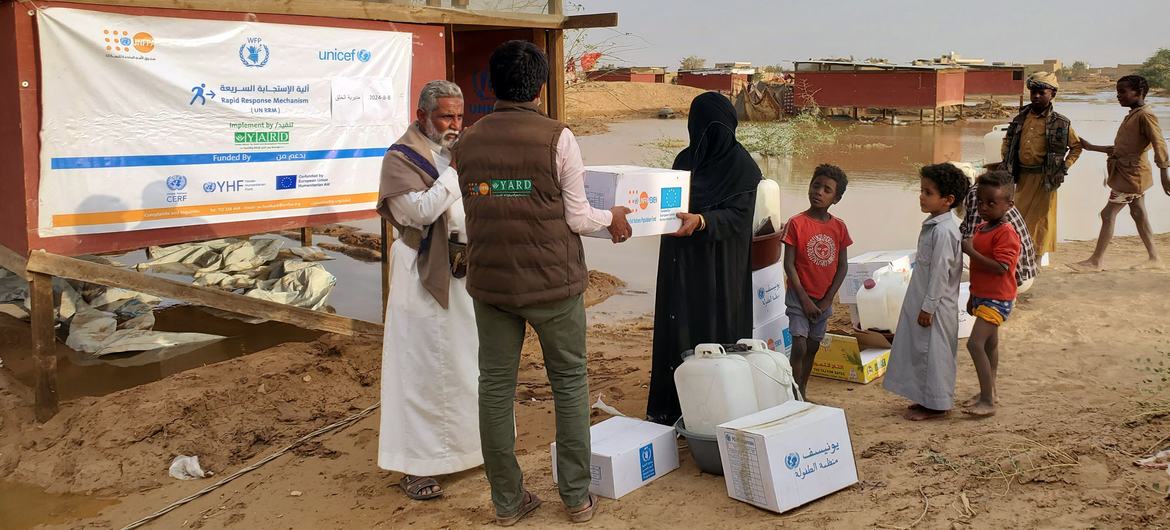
(510, 187)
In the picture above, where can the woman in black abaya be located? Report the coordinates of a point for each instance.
(704, 269)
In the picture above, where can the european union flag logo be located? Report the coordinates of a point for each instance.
(671, 198)
(286, 182)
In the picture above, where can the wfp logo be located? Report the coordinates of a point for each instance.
(176, 182)
(350, 55)
(254, 53)
(121, 41)
(792, 460)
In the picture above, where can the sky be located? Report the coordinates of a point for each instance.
(662, 32)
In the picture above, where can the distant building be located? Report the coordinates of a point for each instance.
(633, 74)
(727, 78)
(1120, 70)
(841, 84)
(994, 80)
(1049, 65)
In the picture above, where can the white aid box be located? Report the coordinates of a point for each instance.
(655, 196)
(786, 456)
(627, 454)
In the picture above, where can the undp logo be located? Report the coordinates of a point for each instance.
(176, 182)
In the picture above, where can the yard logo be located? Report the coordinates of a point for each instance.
(272, 137)
(121, 41)
(286, 182)
(792, 460)
(176, 182)
(254, 53)
(510, 187)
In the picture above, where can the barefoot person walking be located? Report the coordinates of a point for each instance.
(1129, 173)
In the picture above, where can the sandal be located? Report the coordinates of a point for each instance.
(583, 514)
(529, 504)
(413, 487)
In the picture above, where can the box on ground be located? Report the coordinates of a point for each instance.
(858, 359)
(777, 334)
(655, 196)
(767, 294)
(627, 454)
(862, 267)
(966, 321)
(786, 456)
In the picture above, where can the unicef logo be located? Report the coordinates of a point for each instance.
(208, 187)
(176, 182)
(363, 55)
(792, 460)
(760, 293)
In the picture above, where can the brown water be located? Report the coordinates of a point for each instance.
(23, 506)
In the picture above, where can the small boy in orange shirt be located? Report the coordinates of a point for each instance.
(994, 250)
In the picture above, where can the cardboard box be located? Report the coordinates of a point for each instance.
(767, 294)
(862, 267)
(966, 321)
(656, 196)
(786, 456)
(627, 454)
(776, 334)
(858, 359)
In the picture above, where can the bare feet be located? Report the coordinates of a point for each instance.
(971, 401)
(1151, 265)
(1086, 266)
(980, 410)
(923, 413)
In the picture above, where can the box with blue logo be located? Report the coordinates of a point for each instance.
(655, 196)
(767, 294)
(786, 456)
(627, 454)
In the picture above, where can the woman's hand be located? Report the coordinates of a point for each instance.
(690, 223)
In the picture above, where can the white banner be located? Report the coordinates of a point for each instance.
(152, 122)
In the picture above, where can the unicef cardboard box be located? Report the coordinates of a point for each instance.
(627, 454)
(777, 334)
(786, 456)
(655, 196)
(767, 294)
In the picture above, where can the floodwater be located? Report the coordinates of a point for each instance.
(25, 506)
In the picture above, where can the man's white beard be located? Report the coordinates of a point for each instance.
(439, 137)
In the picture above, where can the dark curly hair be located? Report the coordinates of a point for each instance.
(998, 179)
(518, 69)
(1136, 82)
(949, 179)
(835, 173)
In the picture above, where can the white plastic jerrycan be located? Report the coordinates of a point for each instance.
(713, 388)
(872, 308)
(771, 374)
(897, 283)
(993, 144)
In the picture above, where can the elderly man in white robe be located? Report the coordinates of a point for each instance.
(430, 422)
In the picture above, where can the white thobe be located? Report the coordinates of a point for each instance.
(430, 365)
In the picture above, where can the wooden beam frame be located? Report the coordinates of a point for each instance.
(44, 338)
(357, 9)
(14, 262)
(74, 269)
(592, 20)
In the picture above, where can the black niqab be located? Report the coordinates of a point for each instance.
(720, 167)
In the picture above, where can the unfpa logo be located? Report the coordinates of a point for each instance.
(122, 41)
(640, 200)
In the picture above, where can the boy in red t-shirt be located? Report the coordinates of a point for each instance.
(994, 251)
(815, 263)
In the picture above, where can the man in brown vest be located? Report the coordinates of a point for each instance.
(523, 190)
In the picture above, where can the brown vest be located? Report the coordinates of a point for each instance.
(521, 251)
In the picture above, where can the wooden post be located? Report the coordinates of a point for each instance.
(387, 234)
(556, 7)
(922, 115)
(307, 236)
(944, 114)
(44, 344)
(556, 74)
(855, 113)
(961, 111)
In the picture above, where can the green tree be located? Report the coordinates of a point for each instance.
(1156, 69)
(692, 62)
(1078, 70)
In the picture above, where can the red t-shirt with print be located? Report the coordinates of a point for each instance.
(817, 244)
(1002, 244)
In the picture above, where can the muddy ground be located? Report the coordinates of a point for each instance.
(1079, 402)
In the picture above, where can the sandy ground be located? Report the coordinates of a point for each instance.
(593, 104)
(1075, 411)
